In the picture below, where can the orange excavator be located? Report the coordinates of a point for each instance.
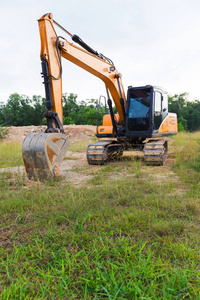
(142, 121)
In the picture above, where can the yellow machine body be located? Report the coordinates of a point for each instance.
(126, 130)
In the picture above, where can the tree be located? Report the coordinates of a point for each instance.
(18, 110)
(22, 111)
(176, 103)
(182, 124)
(69, 104)
(188, 112)
(39, 106)
(82, 113)
(2, 119)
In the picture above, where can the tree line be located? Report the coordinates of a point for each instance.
(188, 112)
(20, 110)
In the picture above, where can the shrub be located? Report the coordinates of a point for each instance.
(3, 132)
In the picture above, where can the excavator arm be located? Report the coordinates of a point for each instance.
(43, 153)
(54, 47)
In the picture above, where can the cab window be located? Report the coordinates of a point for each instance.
(165, 105)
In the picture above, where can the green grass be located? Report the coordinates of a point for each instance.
(80, 146)
(10, 154)
(187, 163)
(124, 235)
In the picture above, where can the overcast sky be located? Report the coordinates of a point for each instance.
(150, 41)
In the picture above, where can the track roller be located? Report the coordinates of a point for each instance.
(102, 151)
(155, 152)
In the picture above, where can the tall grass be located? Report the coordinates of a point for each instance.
(81, 145)
(187, 147)
(10, 154)
(123, 235)
(78, 146)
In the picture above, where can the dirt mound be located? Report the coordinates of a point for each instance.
(75, 132)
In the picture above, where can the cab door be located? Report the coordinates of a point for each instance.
(157, 110)
(160, 109)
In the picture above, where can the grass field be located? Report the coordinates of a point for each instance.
(131, 232)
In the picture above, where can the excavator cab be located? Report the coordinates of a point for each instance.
(147, 111)
(139, 111)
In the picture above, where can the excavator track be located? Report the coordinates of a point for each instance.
(103, 151)
(155, 152)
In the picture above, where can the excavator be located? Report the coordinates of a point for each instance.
(142, 121)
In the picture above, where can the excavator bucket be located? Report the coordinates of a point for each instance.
(43, 153)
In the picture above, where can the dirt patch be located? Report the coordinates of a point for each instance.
(75, 169)
(74, 160)
(74, 132)
(72, 170)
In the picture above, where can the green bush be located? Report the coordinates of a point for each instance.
(180, 127)
(3, 132)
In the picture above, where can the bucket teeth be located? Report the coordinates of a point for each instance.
(43, 153)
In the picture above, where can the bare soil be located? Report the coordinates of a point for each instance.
(75, 132)
(75, 169)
